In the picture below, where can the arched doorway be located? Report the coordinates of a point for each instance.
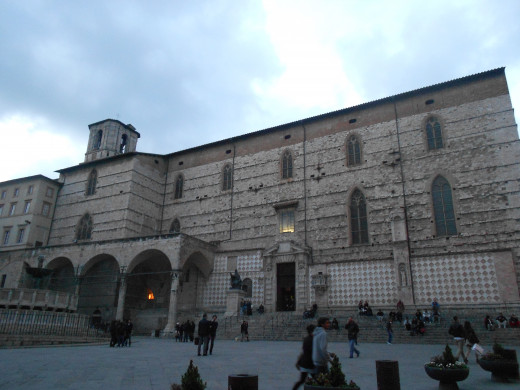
(62, 277)
(99, 287)
(193, 281)
(148, 291)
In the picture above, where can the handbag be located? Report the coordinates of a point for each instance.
(477, 348)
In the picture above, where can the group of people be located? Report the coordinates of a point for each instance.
(121, 333)
(207, 332)
(501, 322)
(184, 332)
(314, 357)
(310, 313)
(464, 335)
(364, 309)
(246, 308)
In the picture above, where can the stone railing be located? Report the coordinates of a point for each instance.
(22, 298)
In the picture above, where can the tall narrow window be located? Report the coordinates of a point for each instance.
(46, 207)
(30, 190)
(4, 193)
(353, 151)
(179, 184)
(84, 229)
(5, 240)
(287, 165)
(286, 219)
(1, 209)
(122, 146)
(434, 134)
(175, 226)
(91, 183)
(358, 218)
(12, 209)
(4, 276)
(27, 206)
(227, 177)
(443, 208)
(21, 233)
(16, 192)
(97, 140)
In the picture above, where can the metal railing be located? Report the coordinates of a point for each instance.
(30, 322)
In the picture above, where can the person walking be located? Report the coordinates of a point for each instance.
(457, 331)
(472, 341)
(320, 356)
(389, 331)
(244, 331)
(213, 325)
(203, 334)
(352, 333)
(304, 363)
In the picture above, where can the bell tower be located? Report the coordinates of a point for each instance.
(110, 137)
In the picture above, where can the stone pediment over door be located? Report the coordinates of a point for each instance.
(287, 252)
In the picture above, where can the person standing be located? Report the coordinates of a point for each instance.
(244, 330)
(128, 333)
(203, 334)
(352, 333)
(304, 363)
(457, 331)
(389, 331)
(213, 325)
(320, 355)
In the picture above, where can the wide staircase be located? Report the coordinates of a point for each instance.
(291, 326)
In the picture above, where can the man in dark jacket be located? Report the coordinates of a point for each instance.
(213, 325)
(352, 332)
(203, 334)
(457, 331)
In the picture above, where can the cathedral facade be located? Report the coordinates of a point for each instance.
(411, 197)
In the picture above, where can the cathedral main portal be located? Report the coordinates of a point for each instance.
(285, 276)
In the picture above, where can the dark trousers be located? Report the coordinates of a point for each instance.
(203, 340)
(211, 342)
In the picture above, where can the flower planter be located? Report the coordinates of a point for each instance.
(501, 370)
(447, 377)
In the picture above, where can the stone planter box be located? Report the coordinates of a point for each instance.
(447, 378)
(501, 370)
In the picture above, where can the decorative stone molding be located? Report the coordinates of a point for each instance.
(319, 282)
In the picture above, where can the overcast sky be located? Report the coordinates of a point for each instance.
(186, 73)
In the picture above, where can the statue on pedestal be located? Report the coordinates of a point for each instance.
(236, 281)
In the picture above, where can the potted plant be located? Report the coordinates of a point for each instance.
(191, 380)
(334, 379)
(447, 370)
(502, 363)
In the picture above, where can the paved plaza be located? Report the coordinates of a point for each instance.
(153, 363)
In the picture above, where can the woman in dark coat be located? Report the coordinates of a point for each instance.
(304, 363)
(471, 340)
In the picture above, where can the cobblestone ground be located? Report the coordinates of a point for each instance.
(156, 363)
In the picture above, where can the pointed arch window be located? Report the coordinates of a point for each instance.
(91, 183)
(122, 145)
(175, 226)
(84, 230)
(287, 165)
(443, 208)
(358, 218)
(353, 151)
(227, 178)
(97, 140)
(179, 184)
(434, 134)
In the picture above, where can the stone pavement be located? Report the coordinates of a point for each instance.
(153, 363)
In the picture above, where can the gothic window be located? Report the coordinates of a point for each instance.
(91, 183)
(353, 151)
(287, 165)
(84, 229)
(175, 226)
(97, 140)
(286, 220)
(179, 184)
(434, 134)
(122, 146)
(358, 218)
(227, 178)
(443, 208)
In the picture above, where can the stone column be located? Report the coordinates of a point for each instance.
(172, 310)
(122, 295)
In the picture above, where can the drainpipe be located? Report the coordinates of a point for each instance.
(404, 200)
